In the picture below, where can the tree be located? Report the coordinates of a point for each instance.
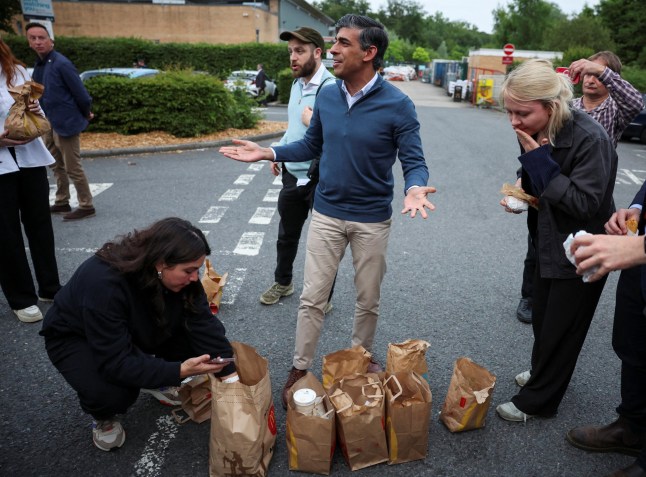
(584, 30)
(8, 9)
(405, 18)
(335, 9)
(624, 19)
(525, 23)
(420, 55)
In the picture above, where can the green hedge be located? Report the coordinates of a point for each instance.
(181, 103)
(219, 60)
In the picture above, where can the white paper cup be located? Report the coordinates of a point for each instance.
(305, 400)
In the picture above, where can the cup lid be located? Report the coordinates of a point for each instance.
(304, 397)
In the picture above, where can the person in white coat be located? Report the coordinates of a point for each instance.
(24, 198)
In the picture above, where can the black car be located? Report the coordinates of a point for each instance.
(637, 127)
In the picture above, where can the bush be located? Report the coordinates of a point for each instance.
(284, 82)
(180, 103)
(635, 76)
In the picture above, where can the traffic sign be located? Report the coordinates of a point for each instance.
(507, 60)
(508, 49)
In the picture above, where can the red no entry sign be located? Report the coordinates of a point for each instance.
(508, 49)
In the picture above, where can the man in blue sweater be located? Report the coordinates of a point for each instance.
(360, 128)
(67, 105)
(306, 47)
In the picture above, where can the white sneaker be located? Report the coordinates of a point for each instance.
(509, 412)
(31, 314)
(522, 378)
(108, 434)
(167, 395)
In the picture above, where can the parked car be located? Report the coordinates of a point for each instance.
(637, 127)
(131, 73)
(245, 79)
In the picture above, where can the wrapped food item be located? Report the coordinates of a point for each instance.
(518, 193)
(631, 225)
(515, 204)
(21, 123)
(570, 256)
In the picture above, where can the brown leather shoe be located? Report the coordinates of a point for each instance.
(615, 437)
(60, 209)
(294, 375)
(630, 471)
(374, 367)
(79, 214)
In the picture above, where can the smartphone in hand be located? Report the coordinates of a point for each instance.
(220, 360)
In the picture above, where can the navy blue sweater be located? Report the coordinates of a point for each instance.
(358, 148)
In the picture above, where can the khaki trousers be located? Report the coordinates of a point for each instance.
(327, 240)
(67, 153)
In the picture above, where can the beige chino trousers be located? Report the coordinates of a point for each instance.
(327, 240)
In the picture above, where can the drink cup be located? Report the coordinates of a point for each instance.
(566, 71)
(305, 401)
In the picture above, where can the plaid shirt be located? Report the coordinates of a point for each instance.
(619, 108)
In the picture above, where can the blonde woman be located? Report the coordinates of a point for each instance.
(569, 163)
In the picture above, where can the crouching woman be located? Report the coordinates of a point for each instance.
(134, 317)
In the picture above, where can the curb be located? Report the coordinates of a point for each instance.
(128, 151)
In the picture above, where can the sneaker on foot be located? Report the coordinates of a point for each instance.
(509, 412)
(60, 209)
(275, 293)
(31, 314)
(166, 395)
(108, 434)
(522, 378)
(79, 214)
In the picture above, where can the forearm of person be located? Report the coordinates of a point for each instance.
(540, 167)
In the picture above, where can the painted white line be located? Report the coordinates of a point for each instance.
(249, 243)
(271, 195)
(621, 181)
(231, 194)
(632, 176)
(95, 189)
(278, 180)
(262, 216)
(256, 166)
(233, 286)
(152, 459)
(244, 179)
(206, 232)
(213, 215)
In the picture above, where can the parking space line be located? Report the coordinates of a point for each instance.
(271, 195)
(244, 179)
(262, 216)
(152, 459)
(249, 244)
(231, 195)
(233, 286)
(213, 215)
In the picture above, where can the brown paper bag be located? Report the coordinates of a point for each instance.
(408, 414)
(407, 356)
(310, 439)
(343, 363)
(243, 423)
(21, 123)
(360, 411)
(195, 395)
(469, 396)
(213, 286)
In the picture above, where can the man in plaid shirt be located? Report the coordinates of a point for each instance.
(613, 102)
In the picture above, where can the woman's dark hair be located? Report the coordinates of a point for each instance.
(372, 33)
(170, 241)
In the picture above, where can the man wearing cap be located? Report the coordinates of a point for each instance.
(306, 48)
(67, 105)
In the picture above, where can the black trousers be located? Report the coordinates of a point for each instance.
(24, 197)
(562, 313)
(294, 205)
(529, 268)
(99, 396)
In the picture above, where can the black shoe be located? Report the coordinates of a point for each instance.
(617, 436)
(524, 310)
(60, 209)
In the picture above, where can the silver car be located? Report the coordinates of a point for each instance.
(245, 79)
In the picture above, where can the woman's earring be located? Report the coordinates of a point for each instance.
(159, 274)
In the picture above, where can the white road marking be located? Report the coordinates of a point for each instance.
(271, 195)
(278, 181)
(231, 195)
(95, 189)
(233, 286)
(152, 459)
(632, 176)
(262, 216)
(256, 166)
(244, 179)
(249, 244)
(213, 215)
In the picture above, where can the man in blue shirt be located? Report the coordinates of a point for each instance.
(67, 105)
(360, 128)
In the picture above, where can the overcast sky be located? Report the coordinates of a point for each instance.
(478, 12)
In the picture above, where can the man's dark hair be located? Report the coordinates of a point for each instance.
(31, 25)
(610, 59)
(372, 33)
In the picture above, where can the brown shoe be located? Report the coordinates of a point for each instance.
(79, 214)
(60, 209)
(615, 437)
(374, 367)
(630, 471)
(294, 375)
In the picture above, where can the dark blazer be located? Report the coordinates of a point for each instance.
(65, 101)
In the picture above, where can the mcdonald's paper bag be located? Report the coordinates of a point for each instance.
(195, 395)
(310, 439)
(407, 356)
(21, 123)
(243, 422)
(408, 414)
(469, 396)
(343, 363)
(213, 286)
